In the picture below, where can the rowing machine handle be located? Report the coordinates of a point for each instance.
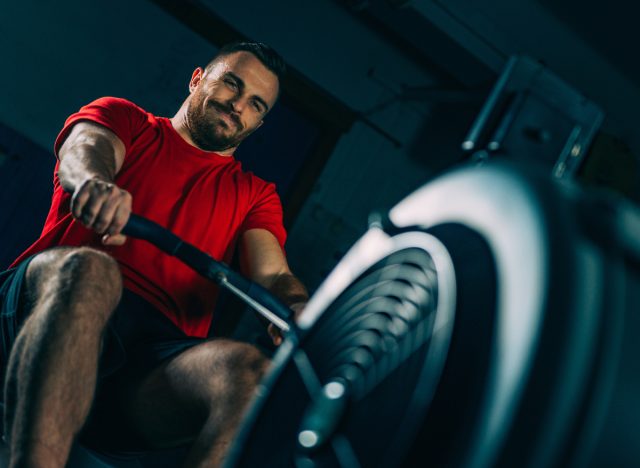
(207, 266)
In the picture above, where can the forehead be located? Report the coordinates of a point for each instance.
(257, 78)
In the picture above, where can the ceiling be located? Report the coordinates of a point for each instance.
(610, 28)
(590, 45)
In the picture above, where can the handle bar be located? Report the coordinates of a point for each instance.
(254, 295)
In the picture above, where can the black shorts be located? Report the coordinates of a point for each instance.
(138, 339)
(10, 319)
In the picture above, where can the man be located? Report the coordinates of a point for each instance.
(157, 380)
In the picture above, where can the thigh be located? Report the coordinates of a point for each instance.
(19, 287)
(170, 405)
(138, 339)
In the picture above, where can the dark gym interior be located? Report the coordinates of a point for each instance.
(507, 130)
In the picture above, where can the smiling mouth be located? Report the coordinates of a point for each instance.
(225, 117)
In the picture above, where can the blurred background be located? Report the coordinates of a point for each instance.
(382, 96)
(379, 97)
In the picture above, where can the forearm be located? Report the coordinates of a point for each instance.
(84, 160)
(90, 158)
(289, 289)
(292, 292)
(89, 152)
(262, 260)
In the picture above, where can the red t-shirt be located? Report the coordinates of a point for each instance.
(205, 198)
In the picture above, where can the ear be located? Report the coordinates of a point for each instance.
(196, 76)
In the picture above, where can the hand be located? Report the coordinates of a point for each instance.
(275, 333)
(103, 207)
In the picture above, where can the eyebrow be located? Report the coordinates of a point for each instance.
(241, 85)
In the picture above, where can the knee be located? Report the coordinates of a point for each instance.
(92, 272)
(237, 366)
(90, 263)
(243, 367)
(245, 361)
(218, 378)
(79, 275)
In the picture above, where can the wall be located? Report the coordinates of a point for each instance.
(58, 56)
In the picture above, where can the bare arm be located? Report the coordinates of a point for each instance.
(90, 158)
(263, 261)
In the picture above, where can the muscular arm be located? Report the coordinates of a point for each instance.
(263, 261)
(89, 151)
(90, 158)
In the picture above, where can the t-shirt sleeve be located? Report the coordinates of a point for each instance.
(266, 213)
(120, 116)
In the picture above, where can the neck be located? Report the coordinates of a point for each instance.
(180, 124)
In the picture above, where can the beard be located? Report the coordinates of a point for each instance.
(208, 130)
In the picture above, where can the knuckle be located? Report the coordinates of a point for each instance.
(76, 209)
(90, 211)
(88, 217)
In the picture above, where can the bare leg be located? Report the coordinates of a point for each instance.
(198, 396)
(51, 377)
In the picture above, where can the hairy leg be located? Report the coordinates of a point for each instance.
(200, 396)
(51, 376)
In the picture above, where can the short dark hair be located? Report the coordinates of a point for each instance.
(266, 54)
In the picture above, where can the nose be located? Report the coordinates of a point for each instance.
(238, 104)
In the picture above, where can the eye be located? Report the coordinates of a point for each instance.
(256, 106)
(231, 83)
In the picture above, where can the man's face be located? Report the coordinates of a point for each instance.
(229, 100)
